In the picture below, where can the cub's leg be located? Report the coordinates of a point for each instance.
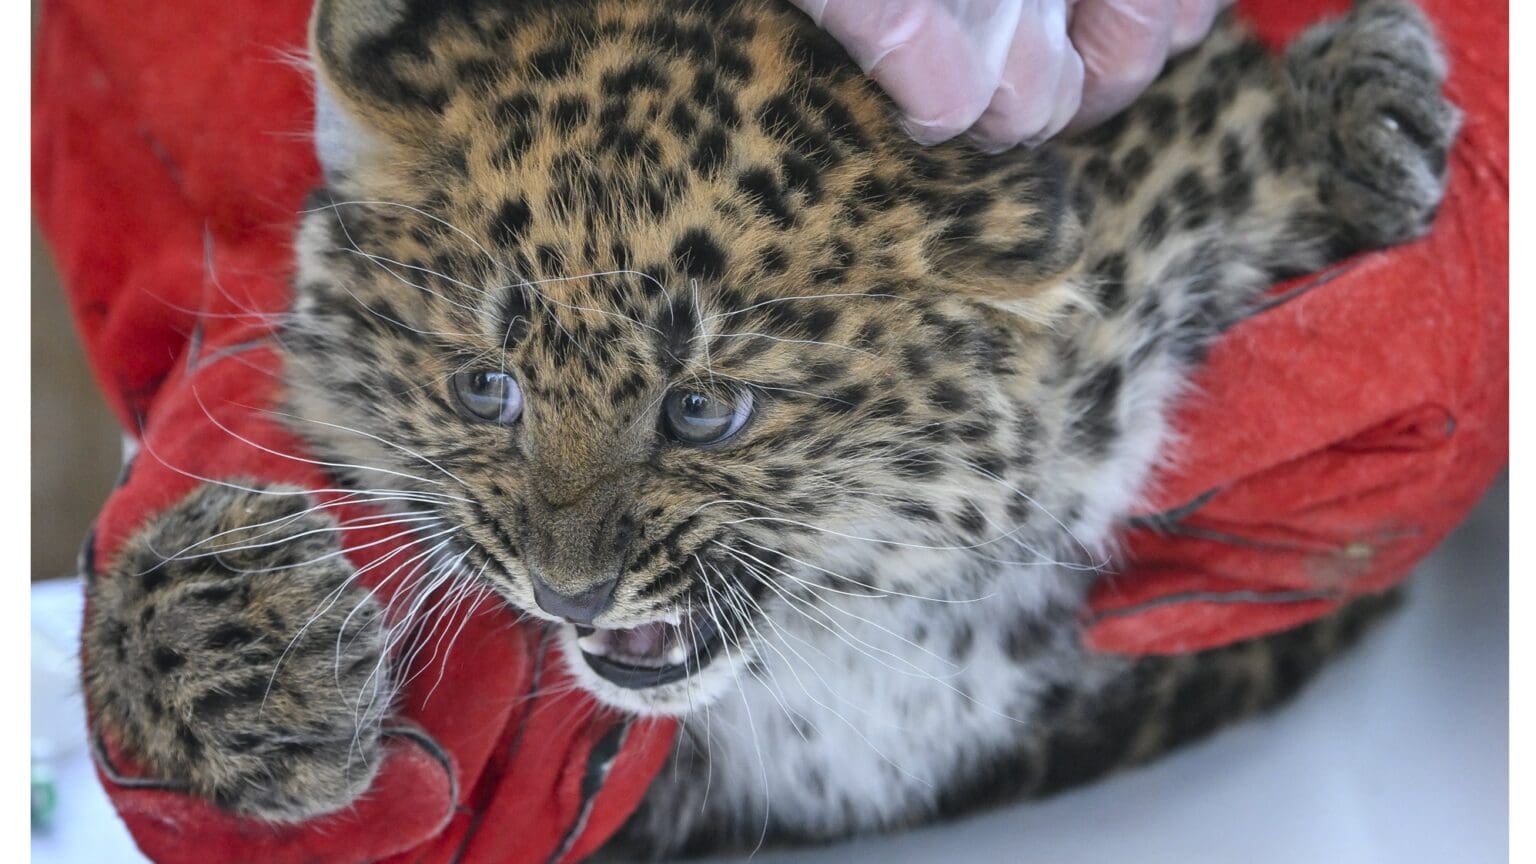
(1238, 168)
(1235, 169)
(230, 652)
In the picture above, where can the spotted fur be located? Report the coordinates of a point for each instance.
(961, 362)
(232, 657)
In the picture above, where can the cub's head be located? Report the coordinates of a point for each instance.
(659, 315)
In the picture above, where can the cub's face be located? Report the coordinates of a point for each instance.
(664, 324)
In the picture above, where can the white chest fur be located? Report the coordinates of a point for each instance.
(860, 716)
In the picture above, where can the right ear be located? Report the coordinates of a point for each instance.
(367, 95)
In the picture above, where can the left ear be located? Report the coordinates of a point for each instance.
(368, 99)
(1013, 233)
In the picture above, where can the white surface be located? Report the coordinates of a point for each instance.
(1398, 753)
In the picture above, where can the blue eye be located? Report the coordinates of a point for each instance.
(696, 418)
(487, 396)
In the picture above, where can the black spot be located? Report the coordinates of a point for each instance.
(819, 372)
(873, 192)
(482, 71)
(551, 259)
(1236, 194)
(916, 361)
(1202, 109)
(1078, 754)
(961, 642)
(515, 115)
(511, 220)
(1276, 140)
(818, 322)
(629, 387)
(1106, 134)
(692, 40)
(1154, 226)
(869, 335)
(733, 63)
(568, 112)
(740, 29)
(822, 56)
(619, 251)
(852, 396)
(1191, 191)
(1115, 188)
(698, 255)
(918, 511)
(552, 61)
(759, 184)
(801, 175)
(677, 326)
(1098, 397)
(681, 120)
(216, 702)
(782, 119)
(1201, 702)
(188, 741)
(1162, 118)
(640, 75)
(516, 314)
(836, 116)
(972, 431)
(949, 396)
(1025, 638)
(1096, 169)
(709, 151)
(1136, 164)
(707, 93)
(837, 268)
(1231, 155)
(166, 659)
(629, 143)
(1109, 285)
(773, 260)
(970, 519)
(155, 577)
(231, 635)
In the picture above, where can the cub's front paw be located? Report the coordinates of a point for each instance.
(1371, 105)
(231, 653)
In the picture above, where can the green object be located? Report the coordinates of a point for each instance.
(45, 796)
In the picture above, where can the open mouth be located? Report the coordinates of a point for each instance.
(651, 654)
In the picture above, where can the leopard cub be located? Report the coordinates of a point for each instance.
(777, 422)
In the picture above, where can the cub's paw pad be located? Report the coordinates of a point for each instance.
(1371, 103)
(231, 652)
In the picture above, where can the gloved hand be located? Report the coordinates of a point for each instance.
(1010, 72)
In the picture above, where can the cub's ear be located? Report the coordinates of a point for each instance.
(1010, 231)
(374, 89)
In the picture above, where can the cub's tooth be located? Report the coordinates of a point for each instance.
(674, 618)
(677, 654)
(594, 644)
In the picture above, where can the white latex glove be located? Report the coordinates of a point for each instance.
(1010, 72)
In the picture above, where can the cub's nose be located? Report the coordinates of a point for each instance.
(579, 608)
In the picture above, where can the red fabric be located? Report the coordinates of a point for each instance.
(1331, 443)
(1338, 438)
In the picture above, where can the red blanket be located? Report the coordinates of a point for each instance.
(1332, 441)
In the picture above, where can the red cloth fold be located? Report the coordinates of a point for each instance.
(1329, 444)
(1332, 441)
